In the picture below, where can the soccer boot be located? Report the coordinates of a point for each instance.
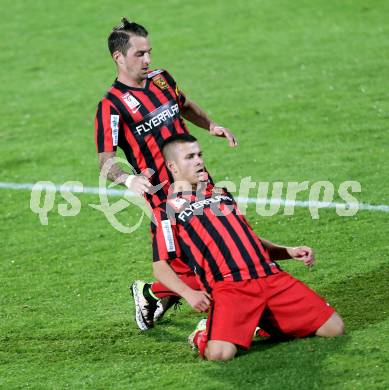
(144, 308)
(165, 304)
(201, 326)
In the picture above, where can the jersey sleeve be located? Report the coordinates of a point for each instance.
(107, 126)
(180, 96)
(164, 234)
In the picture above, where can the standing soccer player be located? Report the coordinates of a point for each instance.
(141, 110)
(242, 285)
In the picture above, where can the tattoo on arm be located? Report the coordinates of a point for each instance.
(112, 171)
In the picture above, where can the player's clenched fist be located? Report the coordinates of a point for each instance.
(138, 184)
(303, 253)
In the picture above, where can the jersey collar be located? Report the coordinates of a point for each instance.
(124, 88)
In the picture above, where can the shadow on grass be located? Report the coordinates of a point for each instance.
(296, 364)
(171, 328)
(361, 300)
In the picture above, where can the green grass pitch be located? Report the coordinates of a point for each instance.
(304, 85)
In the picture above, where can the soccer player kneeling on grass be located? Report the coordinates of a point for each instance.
(242, 286)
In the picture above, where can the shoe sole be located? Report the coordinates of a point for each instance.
(140, 322)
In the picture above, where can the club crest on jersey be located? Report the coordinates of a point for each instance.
(131, 102)
(160, 82)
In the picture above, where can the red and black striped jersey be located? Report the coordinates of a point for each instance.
(138, 120)
(208, 233)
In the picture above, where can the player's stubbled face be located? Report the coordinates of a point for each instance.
(138, 58)
(189, 163)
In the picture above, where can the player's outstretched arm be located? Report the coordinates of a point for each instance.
(276, 252)
(193, 113)
(136, 183)
(300, 253)
(199, 300)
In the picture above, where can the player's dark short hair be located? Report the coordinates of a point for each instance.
(178, 138)
(119, 39)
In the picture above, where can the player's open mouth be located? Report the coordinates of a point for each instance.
(202, 174)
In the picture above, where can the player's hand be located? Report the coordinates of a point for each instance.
(304, 254)
(140, 184)
(199, 300)
(220, 131)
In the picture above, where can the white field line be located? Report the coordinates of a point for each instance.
(261, 201)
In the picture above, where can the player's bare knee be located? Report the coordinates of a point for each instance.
(213, 353)
(220, 355)
(338, 326)
(220, 351)
(333, 327)
(229, 352)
